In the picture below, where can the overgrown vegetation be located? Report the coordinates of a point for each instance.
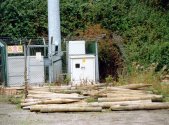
(3, 98)
(146, 75)
(109, 79)
(136, 30)
(110, 53)
(15, 100)
(91, 99)
(11, 99)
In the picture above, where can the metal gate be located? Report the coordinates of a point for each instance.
(15, 70)
(37, 68)
(32, 58)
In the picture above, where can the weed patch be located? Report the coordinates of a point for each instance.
(139, 74)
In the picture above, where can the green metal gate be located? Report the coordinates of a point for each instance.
(3, 68)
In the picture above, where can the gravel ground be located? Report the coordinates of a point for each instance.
(11, 115)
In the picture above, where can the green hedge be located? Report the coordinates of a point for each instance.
(144, 24)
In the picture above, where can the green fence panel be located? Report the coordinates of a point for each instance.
(90, 47)
(1, 77)
(3, 66)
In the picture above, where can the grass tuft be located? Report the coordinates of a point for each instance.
(140, 74)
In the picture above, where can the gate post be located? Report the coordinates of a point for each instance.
(25, 70)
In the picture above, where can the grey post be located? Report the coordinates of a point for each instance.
(54, 31)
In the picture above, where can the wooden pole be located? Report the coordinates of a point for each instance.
(109, 104)
(49, 101)
(116, 99)
(149, 106)
(135, 86)
(25, 70)
(70, 109)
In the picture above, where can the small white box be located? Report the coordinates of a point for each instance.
(76, 48)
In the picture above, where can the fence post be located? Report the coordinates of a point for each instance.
(25, 70)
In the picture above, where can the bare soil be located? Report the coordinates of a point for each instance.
(12, 115)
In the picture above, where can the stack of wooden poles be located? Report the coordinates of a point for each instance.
(76, 98)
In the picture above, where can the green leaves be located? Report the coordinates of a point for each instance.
(21, 18)
(143, 24)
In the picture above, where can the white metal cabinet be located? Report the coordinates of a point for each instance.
(82, 69)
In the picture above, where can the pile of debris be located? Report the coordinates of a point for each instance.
(92, 98)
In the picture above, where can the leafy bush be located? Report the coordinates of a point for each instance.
(109, 79)
(23, 18)
(143, 25)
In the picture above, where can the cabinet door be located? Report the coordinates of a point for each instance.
(83, 70)
(76, 70)
(88, 68)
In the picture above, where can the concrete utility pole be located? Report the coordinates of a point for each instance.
(54, 36)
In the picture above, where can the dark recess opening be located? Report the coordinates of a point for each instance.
(77, 65)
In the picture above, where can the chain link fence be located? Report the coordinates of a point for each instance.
(15, 70)
(37, 64)
(32, 50)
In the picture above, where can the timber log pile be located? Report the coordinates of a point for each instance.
(92, 98)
